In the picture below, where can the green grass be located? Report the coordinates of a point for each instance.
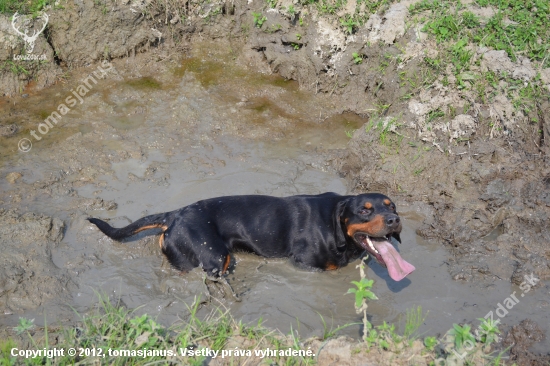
(114, 335)
(112, 329)
(23, 7)
(520, 27)
(350, 22)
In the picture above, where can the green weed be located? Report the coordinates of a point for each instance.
(362, 292)
(291, 11)
(430, 343)
(24, 325)
(433, 114)
(462, 335)
(329, 333)
(414, 320)
(259, 19)
(349, 24)
(488, 331)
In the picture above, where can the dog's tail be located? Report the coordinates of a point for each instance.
(145, 223)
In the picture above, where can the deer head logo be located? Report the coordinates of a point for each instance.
(29, 39)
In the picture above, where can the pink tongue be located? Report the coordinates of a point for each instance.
(398, 268)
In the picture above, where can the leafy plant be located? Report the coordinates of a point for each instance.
(291, 10)
(430, 343)
(488, 330)
(462, 335)
(259, 19)
(362, 292)
(357, 58)
(349, 24)
(24, 325)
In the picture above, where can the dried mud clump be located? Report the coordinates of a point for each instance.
(520, 338)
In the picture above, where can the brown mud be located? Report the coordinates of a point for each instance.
(185, 113)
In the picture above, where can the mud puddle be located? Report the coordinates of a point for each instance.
(141, 144)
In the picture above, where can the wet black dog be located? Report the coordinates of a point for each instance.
(324, 231)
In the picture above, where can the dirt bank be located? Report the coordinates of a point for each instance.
(476, 160)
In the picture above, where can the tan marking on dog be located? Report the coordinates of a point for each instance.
(387, 202)
(331, 266)
(161, 241)
(372, 228)
(368, 205)
(226, 264)
(153, 226)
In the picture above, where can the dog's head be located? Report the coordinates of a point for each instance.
(370, 220)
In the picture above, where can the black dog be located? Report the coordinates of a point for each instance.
(324, 231)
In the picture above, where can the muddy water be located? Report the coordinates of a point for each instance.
(141, 144)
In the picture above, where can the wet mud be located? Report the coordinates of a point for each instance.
(198, 115)
(180, 132)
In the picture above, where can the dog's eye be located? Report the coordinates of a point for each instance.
(364, 211)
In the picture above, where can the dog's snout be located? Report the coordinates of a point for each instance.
(392, 220)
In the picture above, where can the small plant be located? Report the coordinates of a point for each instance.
(349, 24)
(386, 334)
(5, 352)
(274, 28)
(414, 320)
(357, 58)
(362, 292)
(433, 114)
(329, 333)
(462, 335)
(15, 68)
(418, 171)
(298, 36)
(291, 11)
(488, 330)
(24, 325)
(259, 19)
(430, 343)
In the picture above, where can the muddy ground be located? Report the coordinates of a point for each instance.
(184, 113)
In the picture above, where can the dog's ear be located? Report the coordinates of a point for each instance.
(338, 225)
